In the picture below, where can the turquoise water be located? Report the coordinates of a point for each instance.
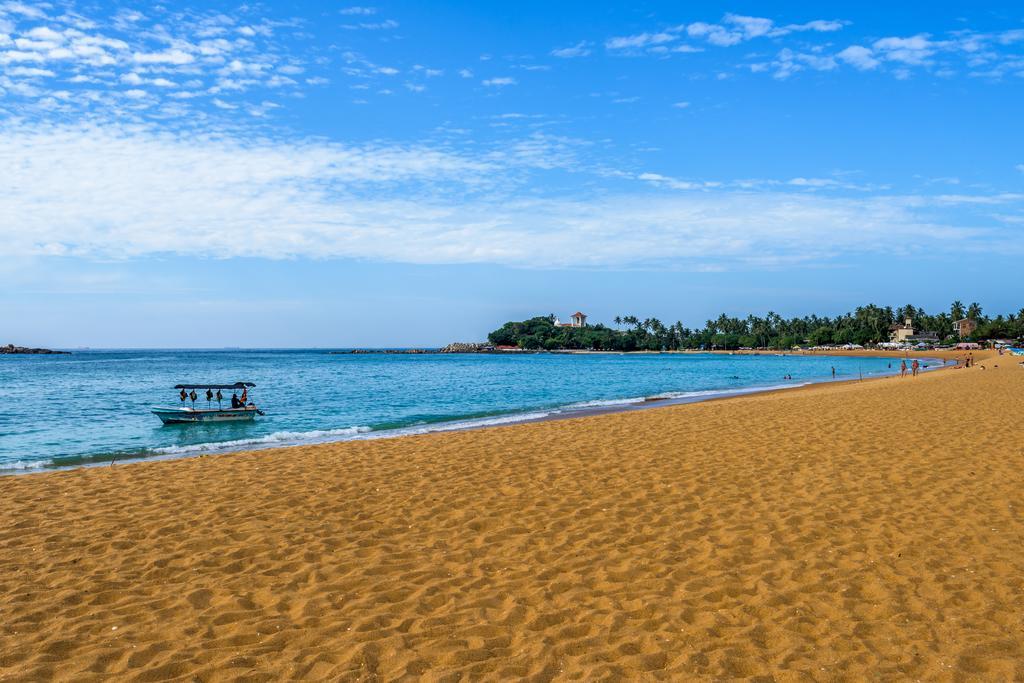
(92, 406)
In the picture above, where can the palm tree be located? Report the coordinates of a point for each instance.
(957, 310)
(618, 320)
(974, 311)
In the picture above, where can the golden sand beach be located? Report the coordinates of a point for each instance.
(859, 531)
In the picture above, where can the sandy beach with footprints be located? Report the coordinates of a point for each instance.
(859, 531)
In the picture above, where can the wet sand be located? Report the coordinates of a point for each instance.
(864, 530)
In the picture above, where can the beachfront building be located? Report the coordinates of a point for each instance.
(965, 327)
(577, 319)
(900, 333)
(924, 338)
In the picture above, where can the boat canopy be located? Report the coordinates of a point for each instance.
(236, 385)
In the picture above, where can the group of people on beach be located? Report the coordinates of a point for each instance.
(915, 367)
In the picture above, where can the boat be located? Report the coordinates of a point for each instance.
(241, 410)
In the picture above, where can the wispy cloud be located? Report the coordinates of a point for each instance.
(580, 49)
(500, 82)
(991, 55)
(732, 30)
(385, 25)
(123, 191)
(639, 40)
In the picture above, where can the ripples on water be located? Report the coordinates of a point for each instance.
(94, 405)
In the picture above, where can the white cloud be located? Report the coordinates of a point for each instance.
(639, 40)
(45, 33)
(580, 49)
(29, 72)
(359, 10)
(674, 183)
(465, 73)
(192, 45)
(819, 25)
(733, 30)
(385, 25)
(751, 27)
(1020, 167)
(714, 34)
(860, 57)
(914, 50)
(173, 56)
(29, 11)
(814, 182)
(120, 191)
(500, 82)
(681, 105)
(21, 56)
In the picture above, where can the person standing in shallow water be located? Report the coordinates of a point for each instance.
(914, 367)
(833, 372)
(903, 368)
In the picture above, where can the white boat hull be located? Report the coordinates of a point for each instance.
(193, 415)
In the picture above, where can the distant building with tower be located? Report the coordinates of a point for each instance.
(900, 333)
(904, 334)
(577, 319)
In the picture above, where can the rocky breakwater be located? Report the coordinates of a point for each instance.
(378, 351)
(467, 347)
(456, 347)
(12, 349)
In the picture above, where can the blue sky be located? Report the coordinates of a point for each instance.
(329, 174)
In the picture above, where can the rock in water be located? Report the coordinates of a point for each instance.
(12, 349)
(465, 347)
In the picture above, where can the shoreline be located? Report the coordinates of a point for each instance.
(508, 419)
(862, 529)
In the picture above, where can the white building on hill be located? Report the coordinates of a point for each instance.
(577, 319)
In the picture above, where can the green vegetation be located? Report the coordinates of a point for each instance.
(866, 325)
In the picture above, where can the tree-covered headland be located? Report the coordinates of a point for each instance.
(866, 325)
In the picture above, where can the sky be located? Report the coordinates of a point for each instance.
(325, 174)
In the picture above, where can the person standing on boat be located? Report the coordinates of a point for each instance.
(245, 397)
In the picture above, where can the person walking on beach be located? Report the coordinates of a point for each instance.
(903, 368)
(914, 367)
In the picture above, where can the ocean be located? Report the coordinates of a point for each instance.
(93, 406)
